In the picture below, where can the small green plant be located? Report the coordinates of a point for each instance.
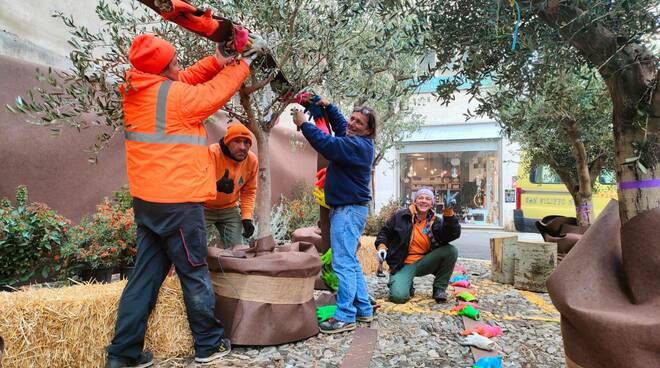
(376, 222)
(122, 198)
(31, 235)
(279, 222)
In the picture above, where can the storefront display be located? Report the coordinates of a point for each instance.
(470, 178)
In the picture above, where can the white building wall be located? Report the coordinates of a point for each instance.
(30, 33)
(449, 123)
(510, 162)
(387, 179)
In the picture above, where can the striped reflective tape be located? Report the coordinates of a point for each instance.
(160, 137)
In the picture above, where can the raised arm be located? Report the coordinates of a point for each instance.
(202, 71)
(343, 150)
(337, 120)
(200, 101)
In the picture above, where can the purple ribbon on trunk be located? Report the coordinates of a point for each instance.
(639, 184)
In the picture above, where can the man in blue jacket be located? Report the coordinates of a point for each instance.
(347, 192)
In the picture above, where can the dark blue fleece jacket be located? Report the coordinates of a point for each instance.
(348, 179)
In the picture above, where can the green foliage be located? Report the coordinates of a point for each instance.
(31, 235)
(107, 239)
(122, 199)
(376, 222)
(568, 109)
(279, 223)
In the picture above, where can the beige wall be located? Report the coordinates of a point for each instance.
(56, 169)
(30, 33)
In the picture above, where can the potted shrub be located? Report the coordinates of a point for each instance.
(31, 235)
(102, 243)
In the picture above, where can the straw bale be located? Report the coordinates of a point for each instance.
(367, 255)
(71, 326)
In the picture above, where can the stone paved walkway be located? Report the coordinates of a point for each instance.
(422, 333)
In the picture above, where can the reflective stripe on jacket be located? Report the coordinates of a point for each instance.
(167, 155)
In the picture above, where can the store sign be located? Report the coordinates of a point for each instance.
(509, 196)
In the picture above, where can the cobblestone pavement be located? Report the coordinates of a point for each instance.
(422, 333)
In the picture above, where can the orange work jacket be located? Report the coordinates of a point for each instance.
(167, 154)
(244, 175)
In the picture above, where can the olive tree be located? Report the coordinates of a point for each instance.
(312, 42)
(565, 124)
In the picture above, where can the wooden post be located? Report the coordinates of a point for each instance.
(533, 263)
(502, 253)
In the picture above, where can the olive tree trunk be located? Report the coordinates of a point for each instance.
(630, 73)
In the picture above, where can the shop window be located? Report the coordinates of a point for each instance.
(470, 179)
(543, 174)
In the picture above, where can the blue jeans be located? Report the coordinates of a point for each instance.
(346, 226)
(167, 233)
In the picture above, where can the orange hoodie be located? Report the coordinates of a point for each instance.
(244, 175)
(175, 172)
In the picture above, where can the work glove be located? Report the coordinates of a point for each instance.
(470, 312)
(225, 184)
(382, 254)
(489, 362)
(320, 178)
(479, 341)
(248, 228)
(461, 283)
(319, 195)
(465, 296)
(241, 38)
(259, 46)
(484, 330)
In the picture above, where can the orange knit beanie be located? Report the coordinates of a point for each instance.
(237, 131)
(150, 54)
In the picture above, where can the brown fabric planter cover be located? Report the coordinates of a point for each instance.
(264, 294)
(607, 290)
(561, 230)
(310, 235)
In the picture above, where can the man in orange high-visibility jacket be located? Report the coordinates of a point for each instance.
(236, 174)
(170, 175)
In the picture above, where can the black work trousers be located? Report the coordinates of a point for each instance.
(167, 233)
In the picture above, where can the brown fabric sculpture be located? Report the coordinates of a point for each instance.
(561, 230)
(265, 294)
(310, 234)
(607, 290)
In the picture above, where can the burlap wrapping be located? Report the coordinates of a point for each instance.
(264, 294)
(607, 290)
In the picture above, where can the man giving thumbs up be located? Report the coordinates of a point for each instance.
(236, 179)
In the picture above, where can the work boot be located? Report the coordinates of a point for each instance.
(222, 350)
(146, 359)
(439, 295)
(366, 319)
(333, 326)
